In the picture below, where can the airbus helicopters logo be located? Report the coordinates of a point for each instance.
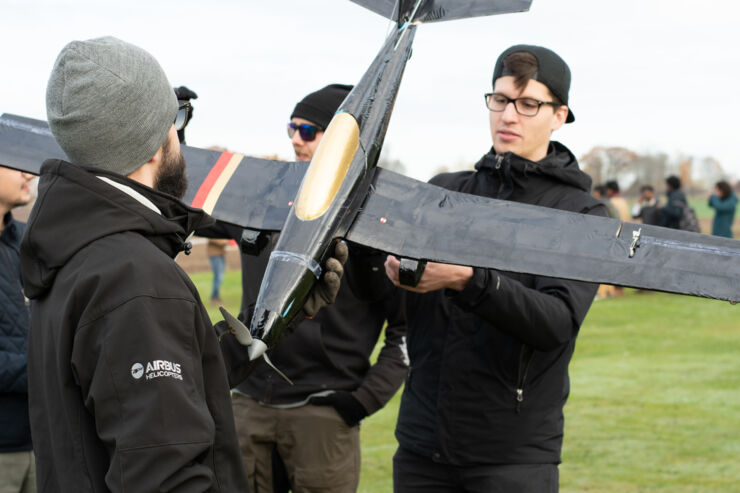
(156, 369)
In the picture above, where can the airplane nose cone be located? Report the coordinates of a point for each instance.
(257, 349)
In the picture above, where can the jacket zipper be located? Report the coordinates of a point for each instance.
(497, 166)
(525, 360)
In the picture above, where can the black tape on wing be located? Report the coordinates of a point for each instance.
(412, 219)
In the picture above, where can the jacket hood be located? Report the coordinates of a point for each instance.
(560, 165)
(75, 207)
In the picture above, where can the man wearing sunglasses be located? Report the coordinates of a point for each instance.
(128, 380)
(311, 116)
(482, 409)
(185, 114)
(307, 434)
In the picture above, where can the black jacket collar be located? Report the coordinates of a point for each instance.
(517, 173)
(75, 208)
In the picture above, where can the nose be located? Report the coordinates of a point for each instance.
(296, 139)
(509, 113)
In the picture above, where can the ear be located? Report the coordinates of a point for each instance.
(147, 172)
(156, 159)
(559, 117)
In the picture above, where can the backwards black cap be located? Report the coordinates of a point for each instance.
(551, 71)
(319, 107)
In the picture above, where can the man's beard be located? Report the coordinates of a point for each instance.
(171, 178)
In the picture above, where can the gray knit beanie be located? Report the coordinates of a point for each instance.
(109, 104)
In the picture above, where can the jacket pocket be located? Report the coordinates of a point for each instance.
(526, 355)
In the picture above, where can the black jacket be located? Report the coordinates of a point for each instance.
(332, 350)
(489, 365)
(672, 211)
(650, 214)
(128, 388)
(15, 430)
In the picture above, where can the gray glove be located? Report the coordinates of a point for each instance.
(326, 289)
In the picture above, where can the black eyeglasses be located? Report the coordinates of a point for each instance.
(306, 131)
(183, 116)
(524, 106)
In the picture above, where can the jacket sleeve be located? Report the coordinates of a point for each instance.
(544, 314)
(220, 230)
(673, 210)
(236, 356)
(140, 370)
(720, 205)
(385, 377)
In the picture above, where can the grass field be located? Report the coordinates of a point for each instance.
(654, 405)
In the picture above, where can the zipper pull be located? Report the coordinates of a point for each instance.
(519, 399)
(499, 159)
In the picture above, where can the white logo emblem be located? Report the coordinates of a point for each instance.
(157, 368)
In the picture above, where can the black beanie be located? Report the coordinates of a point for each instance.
(319, 107)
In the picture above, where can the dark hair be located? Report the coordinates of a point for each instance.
(724, 189)
(601, 189)
(523, 66)
(646, 188)
(612, 185)
(674, 182)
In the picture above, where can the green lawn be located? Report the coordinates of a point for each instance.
(701, 206)
(654, 406)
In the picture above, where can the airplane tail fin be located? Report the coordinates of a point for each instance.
(441, 10)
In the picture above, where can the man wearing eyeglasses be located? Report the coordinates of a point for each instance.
(482, 409)
(307, 434)
(128, 380)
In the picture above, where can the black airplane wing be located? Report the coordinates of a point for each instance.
(417, 220)
(241, 190)
(25, 143)
(237, 189)
(443, 10)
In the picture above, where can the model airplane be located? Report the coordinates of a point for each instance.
(343, 194)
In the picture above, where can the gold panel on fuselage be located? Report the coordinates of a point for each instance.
(329, 167)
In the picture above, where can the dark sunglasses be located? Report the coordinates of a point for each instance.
(183, 116)
(307, 132)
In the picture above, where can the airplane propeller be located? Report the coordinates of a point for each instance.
(242, 335)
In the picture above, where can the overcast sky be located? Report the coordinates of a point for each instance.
(650, 75)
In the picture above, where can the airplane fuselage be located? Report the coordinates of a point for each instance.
(332, 191)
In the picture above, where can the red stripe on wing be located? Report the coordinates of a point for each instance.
(207, 185)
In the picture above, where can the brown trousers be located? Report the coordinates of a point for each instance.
(17, 472)
(320, 452)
